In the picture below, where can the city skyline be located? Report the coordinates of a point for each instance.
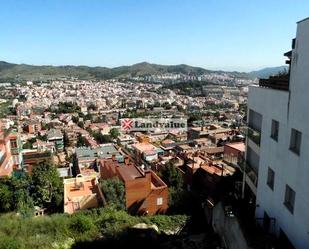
(213, 35)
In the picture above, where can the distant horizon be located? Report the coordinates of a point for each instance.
(206, 68)
(224, 35)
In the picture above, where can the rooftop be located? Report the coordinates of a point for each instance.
(129, 172)
(238, 146)
(143, 147)
(81, 193)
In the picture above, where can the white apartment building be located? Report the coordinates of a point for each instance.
(278, 147)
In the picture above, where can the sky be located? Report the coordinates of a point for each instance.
(240, 35)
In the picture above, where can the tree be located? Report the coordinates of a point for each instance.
(92, 106)
(114, 191)
(6, 198)
(29, 143)
(81, 141)
(43, 138)
(114, 133)
(15, 195)
(179, 199)
(75, 119)
(66, 141)
(47, 186)
(23, 201)
(67, 107)
(81, 124)
(100, 138)
(172, 176)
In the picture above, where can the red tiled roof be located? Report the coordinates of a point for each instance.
(238, 146)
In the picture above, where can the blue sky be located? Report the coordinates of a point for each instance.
(215, 34)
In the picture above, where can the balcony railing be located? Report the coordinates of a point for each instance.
(254, 135)
(280, 82)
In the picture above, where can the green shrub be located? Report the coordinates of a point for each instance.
(166, 223)
(81, 224)
(113, 222)
(10, 243)
(62, 230)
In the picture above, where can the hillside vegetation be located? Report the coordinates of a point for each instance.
(96, 226)
(19, 72)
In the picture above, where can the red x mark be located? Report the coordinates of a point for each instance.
(127, 124)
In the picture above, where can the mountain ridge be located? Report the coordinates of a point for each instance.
(268, 71)
(15, 72)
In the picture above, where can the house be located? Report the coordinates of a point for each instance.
(206, 175)
(234, 152)
(146, 151)
(86, 158)
(125, 140)
(56, 137)
(33, 157)
(33, 127)
(82, 192)
(215, 132)
(168, 146)
(16, 149)
(44, 146)
(6, 158)
(145, 192)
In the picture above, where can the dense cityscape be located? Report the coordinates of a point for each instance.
(155, 156)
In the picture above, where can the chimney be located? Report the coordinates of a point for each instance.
(114, 157)
(127, 160)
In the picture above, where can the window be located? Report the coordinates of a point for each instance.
(274, 130)
(295, 141)
(13, 144)
(159, 201)
(271, 178)
(289, 198)
(255, 120)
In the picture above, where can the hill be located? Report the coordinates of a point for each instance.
(268, 71)
(22, 72)
(19, 72)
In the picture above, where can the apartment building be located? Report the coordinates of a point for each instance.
(277, 148)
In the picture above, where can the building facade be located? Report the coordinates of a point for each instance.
(6, 158)
(10, 152)
(277, 147)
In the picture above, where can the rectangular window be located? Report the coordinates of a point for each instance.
(13, 143)
(159, 201)
(274, 130)
(289, 198)
(271, 178)
(255, 120)
(295, 141)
